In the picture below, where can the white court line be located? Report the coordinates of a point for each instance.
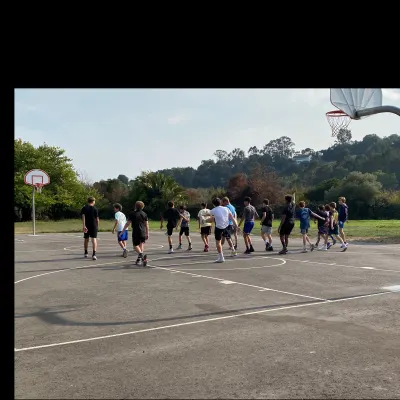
(196, 322)
(93, 266)
(237, 283)
(342, 265)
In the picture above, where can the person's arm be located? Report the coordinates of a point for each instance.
(316, 215)
(264, 215)
(162, 217)
(126, 226)
(256, 213)
(147, 227)
(96, 215)
(198, 218)
(83, 221)
(233, 219)
(115, 225)
(283, 219)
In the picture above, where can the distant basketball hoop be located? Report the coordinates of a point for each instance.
(337, 120)
(36, 178)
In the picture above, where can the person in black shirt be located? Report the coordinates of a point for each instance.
(287, 222)
(266, 225)
(90, 221)
(140, 231)
(172, 215)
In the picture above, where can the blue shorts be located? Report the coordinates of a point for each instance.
(123, 237)
(341, 224)
(248, 227)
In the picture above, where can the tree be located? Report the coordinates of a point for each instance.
(359, 189)
(282, 147)
(123, 178)
(64, 192)
(344, 136)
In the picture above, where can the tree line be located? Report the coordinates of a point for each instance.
(366, 172)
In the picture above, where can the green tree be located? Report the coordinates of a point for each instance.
(65, 191)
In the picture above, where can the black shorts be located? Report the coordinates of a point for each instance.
(286, 229)
(138, 239)
(170, 229)
(184, 231)
(91, 232)
(205, 230)
(219, 233)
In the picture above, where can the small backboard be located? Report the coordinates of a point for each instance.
(37, 178)
(352, 100)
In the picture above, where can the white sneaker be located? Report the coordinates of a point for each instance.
(170, 251)
(304, 250)
(125, 253)
(233, 253)
(220, 260)
(94, 258)
(343, 246)
(323, 248)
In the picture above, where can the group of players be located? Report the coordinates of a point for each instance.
(226, 226)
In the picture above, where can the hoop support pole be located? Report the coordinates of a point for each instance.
(33, 211)
(377, 110)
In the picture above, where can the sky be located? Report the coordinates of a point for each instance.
(107, 132)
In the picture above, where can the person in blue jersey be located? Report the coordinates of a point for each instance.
(343, 217)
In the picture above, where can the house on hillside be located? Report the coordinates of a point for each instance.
(299, 159)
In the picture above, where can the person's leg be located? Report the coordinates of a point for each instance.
(207, 233)
(218, 237)
(187, 234)
(282, 239)
(93, 235)
(169, 234)
(235, 237)
(341, 231)
(251, 226)
(182, 230)
(86, 243)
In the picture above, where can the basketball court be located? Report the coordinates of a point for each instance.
(299, 325)
(317, 324)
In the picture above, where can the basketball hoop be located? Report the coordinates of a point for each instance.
(337, 120)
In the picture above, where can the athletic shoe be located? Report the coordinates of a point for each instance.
(251, 249)
(304, 250)
(270, 248)
(94, 258)
(323, 248)
(233, 253)
(86, 255)
(235, 246)
(144, 261)
(125, 253)
(312, 247)
(329, 245)
(247, 252)
(190, 247)
(179, 247)
(333, 242)
(170, 251)
(283, 251)
(220, 259)
(267, 246)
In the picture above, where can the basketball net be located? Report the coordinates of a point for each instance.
(337, 120)
(38, 187)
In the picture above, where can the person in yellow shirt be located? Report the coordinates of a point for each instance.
(334, 225)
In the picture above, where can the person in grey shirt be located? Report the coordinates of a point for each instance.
(249, 214)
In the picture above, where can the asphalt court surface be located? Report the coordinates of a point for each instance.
(300, 325)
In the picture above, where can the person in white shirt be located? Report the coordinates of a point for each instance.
(120, 221)
(221, 216)
(205, 227)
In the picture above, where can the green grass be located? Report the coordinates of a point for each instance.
(368, 230)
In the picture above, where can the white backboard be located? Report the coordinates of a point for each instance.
(352, 100)
(36, 177)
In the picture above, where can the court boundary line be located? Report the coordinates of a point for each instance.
(197, 322)
(238, 283)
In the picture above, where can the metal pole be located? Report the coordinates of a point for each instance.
(377, 110)
(33, 210)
